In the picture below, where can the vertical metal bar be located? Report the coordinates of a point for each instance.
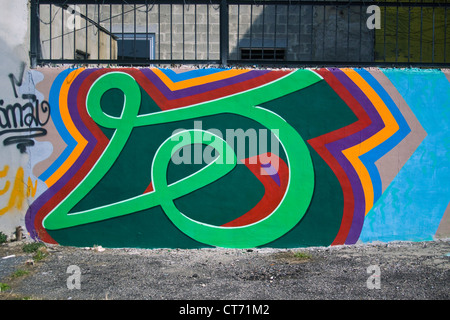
(263, 29)
(34, 34)
(287, 29)
(182, 17)
(51, 22)
(335, 31)
(171, 33)
(86, 33)
(62, 34)
(323, 35)
(275, 35)
(396, 36)
(421, 30)
(123, 32)
(110, 31)
(251, 30)
(360, 30)
(238, 35)
(74, 36)
(159, 31)
(207, 31)
(223, 32)
(38, 33)
(134, 22)
(348, 33)
(98, 31)
(432, 56)
(299, 30)
(384, 35)
(311, 33)
(195, 30)
(147, 44)
(445, 34)
(409, 33)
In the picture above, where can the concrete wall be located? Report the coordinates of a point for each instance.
(307, 33)
(16, 80)
(305, 158)
(309, 157)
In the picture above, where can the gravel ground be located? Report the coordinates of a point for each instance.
(407, 270)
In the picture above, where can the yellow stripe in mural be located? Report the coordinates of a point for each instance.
(390, 127)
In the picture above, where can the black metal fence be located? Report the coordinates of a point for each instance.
(232, 32)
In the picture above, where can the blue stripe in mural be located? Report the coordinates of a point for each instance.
(378, 152)
(59, 124)
(411, 208)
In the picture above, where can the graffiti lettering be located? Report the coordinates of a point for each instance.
(23, 119)
(26, 118)
(17, 82)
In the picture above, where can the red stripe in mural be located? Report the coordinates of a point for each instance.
(165, 104)
(319, 144)
(100, 145)
(275, 184)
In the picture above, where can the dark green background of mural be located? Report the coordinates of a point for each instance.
(313, 111)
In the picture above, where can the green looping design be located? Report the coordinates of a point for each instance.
(288, 213)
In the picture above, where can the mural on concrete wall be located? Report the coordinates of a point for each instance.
(239, 158)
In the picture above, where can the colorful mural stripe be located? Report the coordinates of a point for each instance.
(418, 196)
(339, 130)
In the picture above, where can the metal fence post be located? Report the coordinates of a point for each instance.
(34, 33)
(224, 32)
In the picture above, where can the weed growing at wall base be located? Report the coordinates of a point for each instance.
(32, 247)
(3, 237)
(4, 286)
(20, 273)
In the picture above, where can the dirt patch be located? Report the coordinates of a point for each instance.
(407, 270)
(293, 257)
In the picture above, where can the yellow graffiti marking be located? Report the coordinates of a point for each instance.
(3, 173)
(18, 193)
(31, 189)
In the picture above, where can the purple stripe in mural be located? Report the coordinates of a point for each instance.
(182, 93)
(54, 189)
(336, 149)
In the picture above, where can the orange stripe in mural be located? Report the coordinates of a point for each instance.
(390, 127)
(65, 115)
